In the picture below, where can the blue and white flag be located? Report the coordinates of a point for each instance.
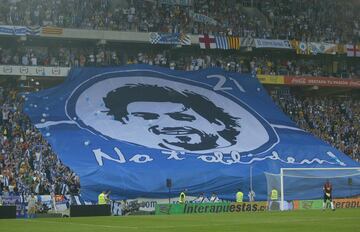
(222, 42)
(202, 18)
(131, 128)
(176, 2)
(19, 30)
(169, 38)
(272, 43)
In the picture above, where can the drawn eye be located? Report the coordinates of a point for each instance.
(146, 116)
(182, 117)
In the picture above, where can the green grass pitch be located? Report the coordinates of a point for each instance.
(347, 220)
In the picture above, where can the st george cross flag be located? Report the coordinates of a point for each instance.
(353, 50)
(207, 41)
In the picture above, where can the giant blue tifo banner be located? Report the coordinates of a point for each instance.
(131, 128)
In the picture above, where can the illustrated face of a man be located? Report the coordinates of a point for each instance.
(174, 126)
(162, 114)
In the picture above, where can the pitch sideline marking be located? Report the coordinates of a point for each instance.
(85, 224)
(177, 226)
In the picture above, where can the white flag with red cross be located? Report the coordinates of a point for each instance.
(353, 50)
(207, 41)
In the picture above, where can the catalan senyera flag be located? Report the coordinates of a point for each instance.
(341, 49)
(52, 30)
(300, 47)
(295, 45)
(234, 42)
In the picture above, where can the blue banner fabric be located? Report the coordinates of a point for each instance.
(131, 128)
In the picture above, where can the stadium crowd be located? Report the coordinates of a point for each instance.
(333, 119)
(257, 18)
(176, 59)
(27, 162)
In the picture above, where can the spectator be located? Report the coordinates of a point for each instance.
(263, 19)
(27, 163)
(334, 120)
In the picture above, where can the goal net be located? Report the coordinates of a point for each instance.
(307, 184)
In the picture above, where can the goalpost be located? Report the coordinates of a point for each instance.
(307, 183)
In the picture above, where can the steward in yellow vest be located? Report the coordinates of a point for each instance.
(102, 198)
(239, 196)
(274, 195)
(182, 197)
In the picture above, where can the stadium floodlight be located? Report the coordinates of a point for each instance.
(307, 183)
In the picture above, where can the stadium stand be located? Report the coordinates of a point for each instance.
(109, 56)
(27, 163)
(333, 119)
(280, 19)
